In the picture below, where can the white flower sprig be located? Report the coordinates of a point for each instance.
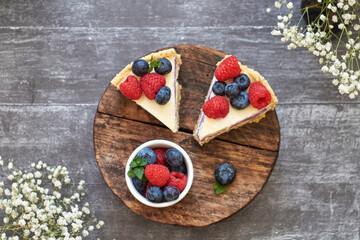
(333, 36)
(42, 204)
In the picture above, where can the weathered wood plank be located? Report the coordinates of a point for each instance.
(74, 65)
(95, 13)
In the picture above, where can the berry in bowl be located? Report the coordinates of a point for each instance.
(159, 173)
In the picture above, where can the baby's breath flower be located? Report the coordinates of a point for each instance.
(317, 37)
(38, 210)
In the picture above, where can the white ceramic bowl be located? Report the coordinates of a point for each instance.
(160, 144)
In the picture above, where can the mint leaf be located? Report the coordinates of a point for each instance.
(144, 178)
(219, 188)
(143, 162)
(154, 64)
(139, 172)
(138, 162)
(133, 164)
(131, 174)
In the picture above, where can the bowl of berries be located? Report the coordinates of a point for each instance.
(159, 173)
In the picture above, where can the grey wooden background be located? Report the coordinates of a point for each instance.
(57, 57)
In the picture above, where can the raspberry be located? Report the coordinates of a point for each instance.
(259, 96)
(216, 107)
(151, 83)
(229, 68)
(158, 175)
(130, 88)
(160, 153)
(177, 179)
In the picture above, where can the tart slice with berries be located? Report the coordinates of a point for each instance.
(152, 83)
(238, 95)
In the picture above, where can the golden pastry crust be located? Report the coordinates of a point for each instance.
(167, 53)
(254, 75)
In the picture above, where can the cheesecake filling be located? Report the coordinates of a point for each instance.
(242, 122)
(161, 112)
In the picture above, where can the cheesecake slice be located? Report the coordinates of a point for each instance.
(208, 128)
(168, 114)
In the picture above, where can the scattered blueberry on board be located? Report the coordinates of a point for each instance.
(225, 174)
(146, 176)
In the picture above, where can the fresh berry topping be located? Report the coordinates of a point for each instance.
(225, 173)
(160, 153)
(163, 96)
(216, 107)
(139, 185)
(154, 194)
(165, 67)
(232, 90)
(130, 88)
(174, 157)
(157, 174)
(149, 185)
(229, 68)
(178, 180)
(182, 168)
(219, 88)
(151, 83)
(171, 193)
(240, 102)
(140, 67)
(147, 154)
(243, 80)
(259, 96)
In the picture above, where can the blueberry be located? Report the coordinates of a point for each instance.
(173, 157)
(171, 193)
(165, 67)
(232, 90)
(147, 154)
(140, 67)
(243, 80)
(225, 173)
(163, 96)
(181, 168)
(219, 88)
(139, 185)
(240, 102)
(154, 194)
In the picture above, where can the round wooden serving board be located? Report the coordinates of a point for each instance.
(121, 125)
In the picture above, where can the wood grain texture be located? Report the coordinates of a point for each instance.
(253, 151)
(57, 57)
(116, 138)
